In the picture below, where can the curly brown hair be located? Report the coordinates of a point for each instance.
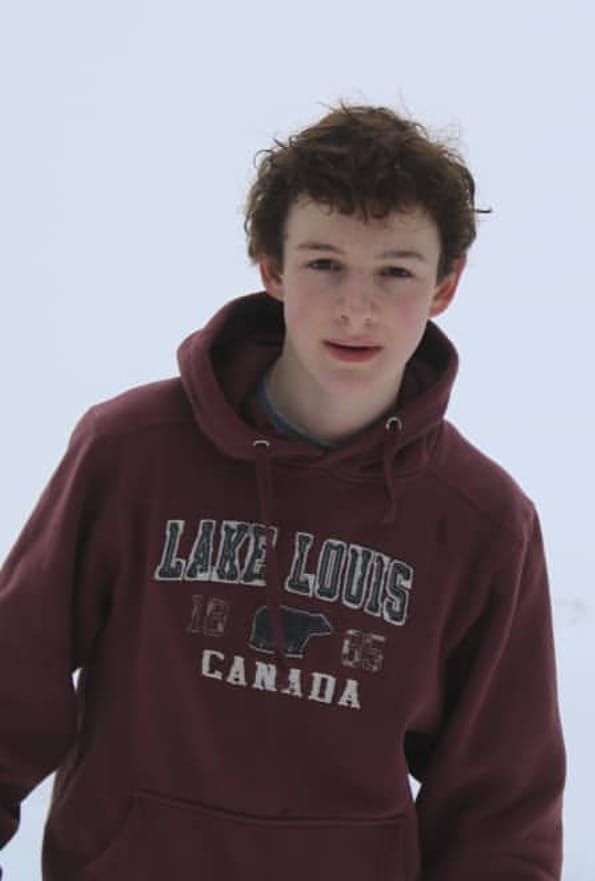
(368, 160)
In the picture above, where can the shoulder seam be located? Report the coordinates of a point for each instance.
(148, 426)
(486, 515)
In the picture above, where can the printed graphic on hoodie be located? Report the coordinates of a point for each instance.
(359, 577)
(362, 579)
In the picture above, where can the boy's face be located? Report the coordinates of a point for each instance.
(353, 295)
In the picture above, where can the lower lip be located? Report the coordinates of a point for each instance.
(352, 354)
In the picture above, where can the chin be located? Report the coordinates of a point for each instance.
(346, 384)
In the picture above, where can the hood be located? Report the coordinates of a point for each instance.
(221, 365)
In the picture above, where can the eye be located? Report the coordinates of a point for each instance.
(314, 262)
(399, 269)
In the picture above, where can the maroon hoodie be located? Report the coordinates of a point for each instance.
(271, 636)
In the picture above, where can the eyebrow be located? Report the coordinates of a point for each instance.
(399, 253)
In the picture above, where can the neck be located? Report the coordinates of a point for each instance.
(320, 414)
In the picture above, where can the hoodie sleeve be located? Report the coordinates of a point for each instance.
(53, 601)
(490, 802)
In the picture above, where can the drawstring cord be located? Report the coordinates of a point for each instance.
(272, 579)
(391, 438)
(265, 494)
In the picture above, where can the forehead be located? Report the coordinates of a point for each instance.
(315, 220)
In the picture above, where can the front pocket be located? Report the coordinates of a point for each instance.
(163, 838)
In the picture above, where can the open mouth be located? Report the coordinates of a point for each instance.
(352, 345)
(352, 353)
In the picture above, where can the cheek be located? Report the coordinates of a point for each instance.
(302, 309)
(410, 311)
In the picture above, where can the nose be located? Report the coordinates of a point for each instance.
(355, 304)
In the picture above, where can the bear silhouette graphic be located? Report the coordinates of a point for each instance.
(298, 627)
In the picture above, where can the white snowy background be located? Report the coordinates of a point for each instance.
(128, 132)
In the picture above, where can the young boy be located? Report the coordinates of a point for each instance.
(287, 581)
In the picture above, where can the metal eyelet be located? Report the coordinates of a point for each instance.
(392, 419)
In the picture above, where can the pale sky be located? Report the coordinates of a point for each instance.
(129, 131)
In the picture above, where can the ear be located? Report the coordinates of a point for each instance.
(272, 279)
(445, 291)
